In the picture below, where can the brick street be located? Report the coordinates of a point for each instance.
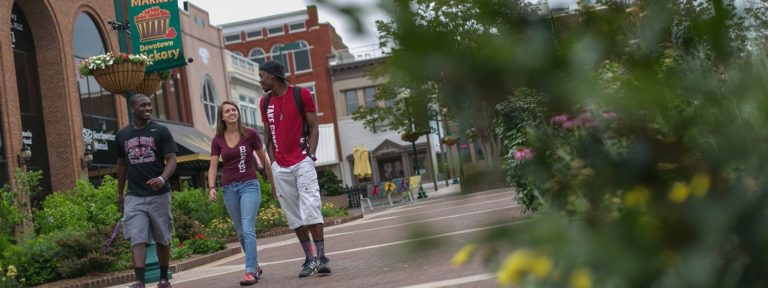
(409, 245)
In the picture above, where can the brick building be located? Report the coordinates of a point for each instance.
(46, 106)
(303, 45)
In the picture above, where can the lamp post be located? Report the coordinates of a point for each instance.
(24, 156)
(121, 25)
(442, 150)
(87, 155)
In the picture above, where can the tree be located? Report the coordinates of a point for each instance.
(426, 36)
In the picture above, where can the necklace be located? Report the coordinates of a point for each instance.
(282, 103)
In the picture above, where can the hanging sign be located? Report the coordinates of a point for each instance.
(156, 32)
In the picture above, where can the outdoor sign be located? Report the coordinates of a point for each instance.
(156, 32)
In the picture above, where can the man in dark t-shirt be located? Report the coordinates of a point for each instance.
(146, 157)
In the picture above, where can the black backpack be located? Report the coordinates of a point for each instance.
(300, 106)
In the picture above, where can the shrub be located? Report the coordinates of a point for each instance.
(270, 217)
(330, 184)
(194, 204)
(221, 229)
(9, 218)
(79, 209)
(330, 210)
(201, 244)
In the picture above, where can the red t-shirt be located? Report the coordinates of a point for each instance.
(238, 160)
(285, 122)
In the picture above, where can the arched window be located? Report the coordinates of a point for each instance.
(301, 62)
(257, 55)
(209, 100)
(279, 55)
(96, 104)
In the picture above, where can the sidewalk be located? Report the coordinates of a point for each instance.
(119, 279)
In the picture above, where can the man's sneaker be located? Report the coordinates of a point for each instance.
(322, 266)
(249, 278)
(308, 268)
(137, 284)
(163, 283)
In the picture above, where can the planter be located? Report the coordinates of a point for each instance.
(450, 140)
(149, 85)
(120, 77)
(410, 137)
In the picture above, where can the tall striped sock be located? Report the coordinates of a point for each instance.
(307, 246)
(320, 246)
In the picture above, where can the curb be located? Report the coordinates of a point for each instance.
(183, 265)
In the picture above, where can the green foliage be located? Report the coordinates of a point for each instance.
(330, 184)
(9, 218)
(180, 251)
(83, 253)
(330, 210)
(518, 115)
(27, 256)
(201, 244)
(221, 229)
(80, 209)
(194, 204)
(663, 110)
(266, 194)
(270, 217)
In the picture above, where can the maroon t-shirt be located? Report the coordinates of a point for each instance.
(285, 122)
(238, 160)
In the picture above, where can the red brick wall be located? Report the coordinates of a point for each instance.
(320, 37)
(51, 23)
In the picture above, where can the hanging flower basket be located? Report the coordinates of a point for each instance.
(410, 136)
(450, 140)
(151, 82)
(115, 72)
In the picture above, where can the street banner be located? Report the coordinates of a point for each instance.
(156, 32)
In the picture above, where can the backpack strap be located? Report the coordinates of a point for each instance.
(265, 105)
(300, 107)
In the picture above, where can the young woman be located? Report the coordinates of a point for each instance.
(235, 145)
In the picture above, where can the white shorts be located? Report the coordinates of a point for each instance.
(298, 193)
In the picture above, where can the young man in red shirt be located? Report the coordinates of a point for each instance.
(293, 162)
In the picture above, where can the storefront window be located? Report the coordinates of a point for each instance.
(96, 104)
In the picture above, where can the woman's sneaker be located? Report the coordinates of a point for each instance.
(322, 266)
(308, 268)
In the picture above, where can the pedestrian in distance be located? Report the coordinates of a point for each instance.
(291, 138)
(146, 158)
(235, 145)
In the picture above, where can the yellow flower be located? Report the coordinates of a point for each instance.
(514, 267)
(463, 255)
(541, 266)
(679, 192)
(580, 278)
(700, 185)
(11, 271)
(637, 197)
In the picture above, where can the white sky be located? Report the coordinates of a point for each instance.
(227, 11)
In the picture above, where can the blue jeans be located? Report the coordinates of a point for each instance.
(242, 200)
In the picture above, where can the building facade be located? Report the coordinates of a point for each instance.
(390, 156)
(303, 45)
(47, 107)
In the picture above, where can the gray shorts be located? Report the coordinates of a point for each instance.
(146, 217)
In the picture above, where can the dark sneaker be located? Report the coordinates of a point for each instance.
(137, 284)
(163, 283)
(322, 266)
(249, 279)
(308, 268)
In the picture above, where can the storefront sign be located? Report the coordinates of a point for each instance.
(99, 139)
(156, 32)
(26, 137)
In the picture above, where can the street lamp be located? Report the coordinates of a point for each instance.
(87, 155)
(24, 155)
